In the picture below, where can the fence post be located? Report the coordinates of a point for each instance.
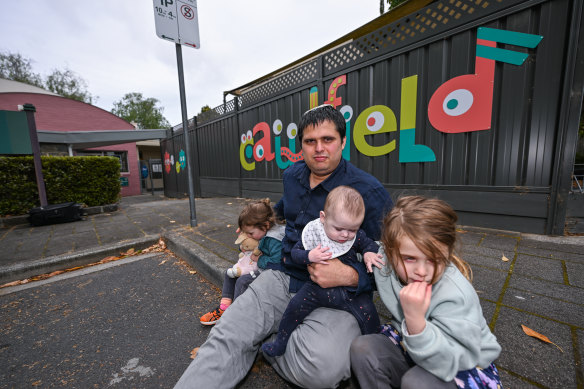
(197, 171)
(236, 108)
(320, 78)
(571, 106)
(30, 109)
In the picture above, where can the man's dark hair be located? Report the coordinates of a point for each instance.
(320, 114)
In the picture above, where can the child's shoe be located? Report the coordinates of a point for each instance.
(210, 318)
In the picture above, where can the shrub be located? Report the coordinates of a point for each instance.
(88, 180)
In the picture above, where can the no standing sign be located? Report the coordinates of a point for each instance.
(177, 21)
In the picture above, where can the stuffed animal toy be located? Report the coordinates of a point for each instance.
(245, 265)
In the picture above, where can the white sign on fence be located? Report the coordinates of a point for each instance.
(177, 21)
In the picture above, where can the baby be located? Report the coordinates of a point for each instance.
(335, 234)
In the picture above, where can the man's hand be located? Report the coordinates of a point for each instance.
(415, 301)
(373, 259)
(319, 255)
(334, 274)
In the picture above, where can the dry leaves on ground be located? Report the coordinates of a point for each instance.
(539, 336)
(158, 247)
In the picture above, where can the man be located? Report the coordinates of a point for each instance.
(317, 355)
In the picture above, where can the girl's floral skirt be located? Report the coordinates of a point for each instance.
(476, 378)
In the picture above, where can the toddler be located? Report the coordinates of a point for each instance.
(258, 221)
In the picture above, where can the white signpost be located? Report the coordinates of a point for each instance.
(178, 22)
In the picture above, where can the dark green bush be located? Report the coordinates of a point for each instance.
(88, 180)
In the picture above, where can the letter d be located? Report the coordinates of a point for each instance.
(464, 103)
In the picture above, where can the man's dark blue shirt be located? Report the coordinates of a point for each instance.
(301, 204)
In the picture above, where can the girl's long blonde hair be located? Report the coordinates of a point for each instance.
(427, 222)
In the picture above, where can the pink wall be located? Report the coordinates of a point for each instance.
(56, 113)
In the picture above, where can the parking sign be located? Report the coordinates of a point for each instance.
(177, 21)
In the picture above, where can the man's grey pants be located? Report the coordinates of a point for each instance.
(317, 355)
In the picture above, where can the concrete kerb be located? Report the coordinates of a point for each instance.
(60, 262)
(208, 264)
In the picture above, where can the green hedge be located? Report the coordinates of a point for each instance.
(88, 180)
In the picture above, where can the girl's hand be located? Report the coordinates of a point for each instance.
(373, 259)
(415, 301)
(254, 257)
(319, 255)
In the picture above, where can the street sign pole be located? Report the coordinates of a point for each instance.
(177, 21)
(185, 120)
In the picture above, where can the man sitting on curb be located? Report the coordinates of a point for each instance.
(318, 351)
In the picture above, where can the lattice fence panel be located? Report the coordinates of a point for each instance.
(294, 78)
(436, 18)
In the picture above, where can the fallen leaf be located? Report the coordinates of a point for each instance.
(162, 244)
(109, 259)
(539, 336)
(194, 352)
(193, 272)
(505, 259)
(13, 283)
(163, 262)
(172, 221)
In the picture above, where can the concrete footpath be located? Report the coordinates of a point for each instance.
(521, 279)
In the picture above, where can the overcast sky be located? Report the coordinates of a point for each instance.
(113, 45)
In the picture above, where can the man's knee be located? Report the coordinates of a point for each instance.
(318, 351)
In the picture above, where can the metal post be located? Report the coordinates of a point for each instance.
(150, 172)
(36, 152)
(185, 120)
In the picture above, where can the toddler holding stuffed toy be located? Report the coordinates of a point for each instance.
(335, 234)
(257, 221)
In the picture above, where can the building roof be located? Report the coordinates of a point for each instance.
(7, 86)
(62, 120)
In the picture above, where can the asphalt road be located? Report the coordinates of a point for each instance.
(126, 324)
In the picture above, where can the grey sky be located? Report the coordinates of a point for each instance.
(114, 47)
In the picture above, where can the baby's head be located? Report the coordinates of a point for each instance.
(257, 218)
(343, 213)
(419, 237)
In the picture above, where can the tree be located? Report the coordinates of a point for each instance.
(390, 5)
(65, 83)
(144, 112)
(17, 68)
(68, 84)
(205, 108)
